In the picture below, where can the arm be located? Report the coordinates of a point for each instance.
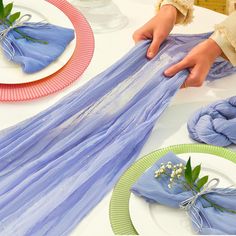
(184, 9)
(157, 29)
(200, 59)
(225, 32)
(169, 13)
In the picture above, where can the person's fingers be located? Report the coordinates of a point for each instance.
(154, 46)
(184, 85)
(140, 35)
(137, 37)
(196, 77)
(153, 49)
(184, 64)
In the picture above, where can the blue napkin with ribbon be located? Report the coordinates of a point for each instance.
(35, 56)
(205, 218)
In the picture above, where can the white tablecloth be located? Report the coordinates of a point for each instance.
(171, 128)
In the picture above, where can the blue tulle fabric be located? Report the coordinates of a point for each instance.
(34, 56)
(215, 124)
(56, 166)
(212, 220)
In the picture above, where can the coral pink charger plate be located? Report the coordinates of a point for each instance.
(66, 75)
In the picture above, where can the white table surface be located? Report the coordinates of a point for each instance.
(168, 131)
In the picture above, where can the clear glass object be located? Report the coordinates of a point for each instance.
(103, 15)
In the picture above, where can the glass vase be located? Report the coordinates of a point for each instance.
(103, 15)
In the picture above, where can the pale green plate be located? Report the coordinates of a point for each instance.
(119, 205)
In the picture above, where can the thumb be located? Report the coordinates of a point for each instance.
(154, 47)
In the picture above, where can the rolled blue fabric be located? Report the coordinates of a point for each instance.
(56, 166)
(215, 124)
(212, 221)
(35, 56)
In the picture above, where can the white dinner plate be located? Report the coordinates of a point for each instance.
(12, 73)
(155, 219)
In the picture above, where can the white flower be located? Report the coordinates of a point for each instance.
(179, 171)
(157, 173)
(169, 163)
(169, 166)
(171, 179)
(162, 170)
(181, 165)
(173, 174)
(169, 186)
(178, 176)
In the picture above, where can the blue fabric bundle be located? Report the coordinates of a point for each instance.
(205, 218)
(56, 166)
(35, 56)
(215, 124)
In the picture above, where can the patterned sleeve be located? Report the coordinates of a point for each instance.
(225, 37)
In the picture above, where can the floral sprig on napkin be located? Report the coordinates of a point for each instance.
(189, 179)
(5, 13)
(10, 21)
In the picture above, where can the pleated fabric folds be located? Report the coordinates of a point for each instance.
(34, 56)
(215, 124)
(56, 166)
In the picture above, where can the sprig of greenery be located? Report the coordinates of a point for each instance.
(192, 175)
(23, 35)
(1, 10)
(5, 13)
(188, 178)
(7, 10)
(9, 19)
(196, 184)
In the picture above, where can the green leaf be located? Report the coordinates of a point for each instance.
(201, 182)
(1, 10)
(14, 17)
(188, 172)
(7, 10)
(195, 173)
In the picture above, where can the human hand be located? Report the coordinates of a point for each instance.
(198, 61)
(157, 29)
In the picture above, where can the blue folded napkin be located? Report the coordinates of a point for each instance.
(35, 56)
(211, 220)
